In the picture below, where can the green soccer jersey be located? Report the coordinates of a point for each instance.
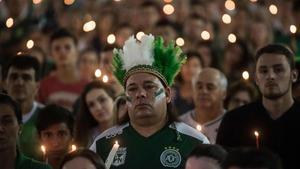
(167, 148)
(23, 162)
(28, 140)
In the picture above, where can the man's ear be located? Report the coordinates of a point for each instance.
(294, 75)
(168, 94)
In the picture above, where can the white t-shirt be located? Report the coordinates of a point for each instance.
(209, 129)
(27, 116)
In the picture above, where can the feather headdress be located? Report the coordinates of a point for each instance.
(149, 56)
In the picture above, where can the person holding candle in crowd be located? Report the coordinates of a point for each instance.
(96, 112)
(209, 93)
(151, 137)
(21, 78)
(82, 159)
(55, 130)
(10, 127)
(276, 116)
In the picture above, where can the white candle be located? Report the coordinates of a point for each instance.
(111, 155)
(257, 139)
(43, 148)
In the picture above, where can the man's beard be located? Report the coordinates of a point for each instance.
(275, 96)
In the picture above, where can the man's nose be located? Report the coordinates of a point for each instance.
(19, 80)
(141, 93)
(271, 74)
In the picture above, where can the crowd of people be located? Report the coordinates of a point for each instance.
(210, 85)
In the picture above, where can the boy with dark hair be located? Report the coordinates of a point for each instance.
(63, 86)
(10, 127)
(55, 129)
(21, 78)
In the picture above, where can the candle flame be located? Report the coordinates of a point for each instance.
(245, 75)
(116, 143)
(293, 29)
(180, 41)
(105, 79)
(43, 148)
(98, 73)
(74, 148)
(256, 133)
(199, 128)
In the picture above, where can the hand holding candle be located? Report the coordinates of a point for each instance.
(111, 155)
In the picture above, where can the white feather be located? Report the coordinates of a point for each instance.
(135, 53)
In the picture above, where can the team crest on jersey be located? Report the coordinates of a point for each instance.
(170, 157)
(120, 156)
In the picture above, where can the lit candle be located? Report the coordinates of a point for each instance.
(73, 148)
(89, 26)
(111, 38)
(98, 73)
(180, 41)
(245, 75)
(111, 155)
(257, 139)
(198, 127)
(105, 78)
(43, 148)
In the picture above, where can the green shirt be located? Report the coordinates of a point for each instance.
(167, 148)
(23, 162)
(28, 140)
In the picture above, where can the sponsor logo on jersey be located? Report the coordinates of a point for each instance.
(170, 157)
(120, 156)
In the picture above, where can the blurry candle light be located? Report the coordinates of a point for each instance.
(111, 38)
(199, 128)
(36, 1)
(245, 75)
(273, 9)
(139, 35)
(205, 35)
(69, 2)
(253, 0)
(168, 1)
(98, 73)
(19, 53)
(9, 22)
(232, 38)
(89, 26)
(293, 29)
(229, 5)
(256, 133)
(168, 9)
(105, 79)
(30, 44)
(180, 41)
(43, 149)
(73, 148)
(226, 18)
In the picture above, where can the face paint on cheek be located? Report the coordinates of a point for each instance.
(158, 93)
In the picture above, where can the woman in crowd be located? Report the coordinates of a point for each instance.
(96, 112)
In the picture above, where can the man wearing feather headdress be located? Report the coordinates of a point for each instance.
(151, 137)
